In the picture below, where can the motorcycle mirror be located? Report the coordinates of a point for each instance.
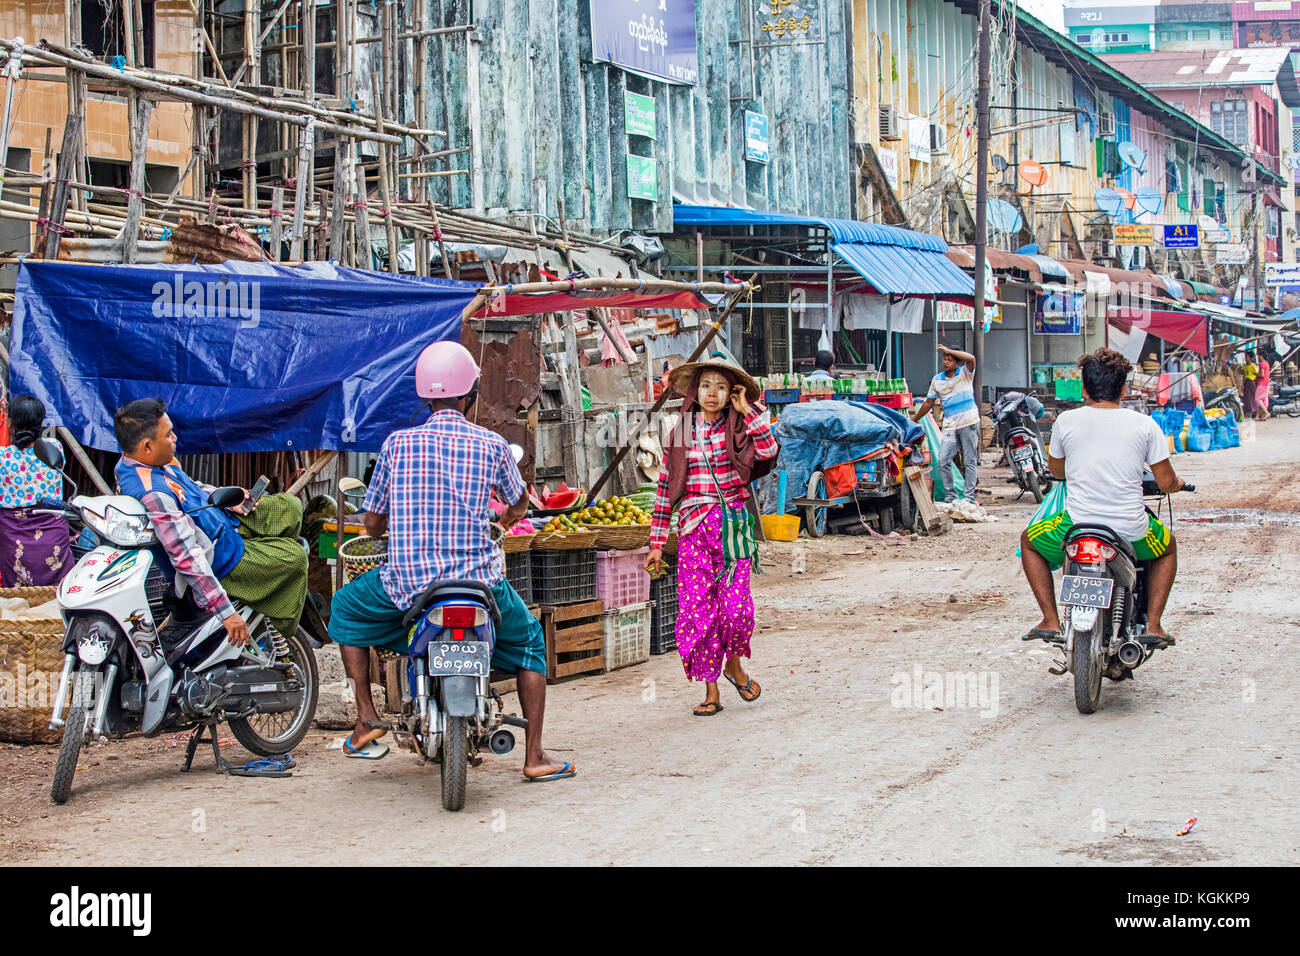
(227, 497)
(352, 487)
(50, 453)
(517, 451)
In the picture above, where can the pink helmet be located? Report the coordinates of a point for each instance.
(445, 370)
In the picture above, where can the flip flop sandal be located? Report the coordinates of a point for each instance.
(742, 691)
(286, 761)
(563, 773)
(717, 707)
(1043, 634)
(260, 768)
(371, 750)
(1156, 639)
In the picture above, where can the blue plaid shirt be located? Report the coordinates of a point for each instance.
(433, 482)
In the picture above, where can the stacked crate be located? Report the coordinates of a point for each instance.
(563, 584)
(624, 586)
(663, 611)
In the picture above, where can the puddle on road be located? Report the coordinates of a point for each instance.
(1248, 518)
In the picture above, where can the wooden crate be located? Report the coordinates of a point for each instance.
(575, 639)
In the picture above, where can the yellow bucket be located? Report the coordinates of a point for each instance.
(780, 527)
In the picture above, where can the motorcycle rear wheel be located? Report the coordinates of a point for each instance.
(74, 737)
(269, 735)
(455, 761)
(1087, 668)
(1035, 487)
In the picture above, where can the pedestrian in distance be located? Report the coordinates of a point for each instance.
(954, 389)
(720, 445)
(34, 549)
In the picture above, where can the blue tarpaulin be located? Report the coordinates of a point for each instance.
(248, 356)
(813, 435)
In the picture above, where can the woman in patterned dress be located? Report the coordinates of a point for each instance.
(721, 430)
(33, 547)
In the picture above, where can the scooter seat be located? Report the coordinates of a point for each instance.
(475, 592)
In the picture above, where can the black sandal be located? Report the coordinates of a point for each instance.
(1043, 634)
(742, 691)
(716, 705)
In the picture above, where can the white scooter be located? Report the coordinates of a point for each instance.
(140, 657)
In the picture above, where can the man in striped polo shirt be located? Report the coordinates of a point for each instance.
(954, 389)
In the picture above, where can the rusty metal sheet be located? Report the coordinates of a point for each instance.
(510, 386)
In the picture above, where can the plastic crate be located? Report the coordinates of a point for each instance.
(621, 577)
(563, 577)
(627, 636)
(663, 613)
(519, 572)
(894, 400)
(780, 396)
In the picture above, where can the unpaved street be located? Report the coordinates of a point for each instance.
(841, 760)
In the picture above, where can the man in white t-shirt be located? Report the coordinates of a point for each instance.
(954, 389)
(1101, 450)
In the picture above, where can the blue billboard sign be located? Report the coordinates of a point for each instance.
(756, 150)
(1182, 236)
(655, 38)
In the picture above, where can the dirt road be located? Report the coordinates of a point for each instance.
(849, 756)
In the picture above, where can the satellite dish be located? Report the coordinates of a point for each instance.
(1034, 173)
(1000, 163)
(1002, 216)
(1110, 202)
(1150, 200)
(1208, 224)
(1132, 155)
(1129, 199)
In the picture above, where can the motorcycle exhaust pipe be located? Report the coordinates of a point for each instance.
(1130, 653)
(65, 679)
(501, 742)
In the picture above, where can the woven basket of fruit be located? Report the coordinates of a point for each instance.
(618, 522)
(514, 543)
(562, 533)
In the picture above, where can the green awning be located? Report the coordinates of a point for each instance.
(1201, 288)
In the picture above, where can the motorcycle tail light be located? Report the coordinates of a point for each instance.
(1017, 441)
(1089, 551)
(454, 615)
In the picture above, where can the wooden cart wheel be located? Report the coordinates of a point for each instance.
(814, 516)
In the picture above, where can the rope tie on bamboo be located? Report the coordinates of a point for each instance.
(437, 234)
(118, 63)
(51, 226)
(360, 204)
(276, 213)
(573, 286)
(248, 164)
(132, 192)
(383, 212)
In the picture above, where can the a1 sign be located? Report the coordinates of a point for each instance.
(1181, 236)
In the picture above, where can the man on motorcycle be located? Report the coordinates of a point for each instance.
(430, 494)
(255, 557)
(1101, 450)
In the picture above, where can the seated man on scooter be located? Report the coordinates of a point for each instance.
(1101, 450)
(430, 492)
(252, 556)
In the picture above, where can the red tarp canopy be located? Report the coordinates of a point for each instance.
(1189, 330)
(541, 303)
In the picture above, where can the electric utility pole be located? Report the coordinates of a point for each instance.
(981, 192)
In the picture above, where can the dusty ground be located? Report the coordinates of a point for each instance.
(838, 762)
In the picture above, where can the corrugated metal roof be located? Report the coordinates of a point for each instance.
(895, 261)
(1177, 68)
(842, 230)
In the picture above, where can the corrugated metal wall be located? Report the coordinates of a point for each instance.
(546, 123)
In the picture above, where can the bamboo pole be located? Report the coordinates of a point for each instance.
(12, 68)
(390, 227)
(277, 219)
(306, 142)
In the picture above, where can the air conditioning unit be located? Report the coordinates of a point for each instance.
(889, 126)
(1105, 125)
(938, 139)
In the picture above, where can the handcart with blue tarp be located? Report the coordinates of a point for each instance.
(847, 455)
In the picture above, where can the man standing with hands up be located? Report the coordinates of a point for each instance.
(954, 389)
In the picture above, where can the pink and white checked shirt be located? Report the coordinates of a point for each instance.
(701, 493)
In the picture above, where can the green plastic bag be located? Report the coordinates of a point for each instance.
(1053, 504)
(935, 438)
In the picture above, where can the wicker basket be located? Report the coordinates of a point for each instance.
(362, 554)
(564, 540)
(670, 544)
(28, 649)
(624, 537)
(514, 543)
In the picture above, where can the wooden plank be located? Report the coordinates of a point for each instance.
(312, 471)
(579, 638)
(934, 521)
(569, 612)
(277, 223)
(394, 675)
(567, 669)
(59, 203)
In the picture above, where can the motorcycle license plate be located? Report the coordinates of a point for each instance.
(1079, 591)
(470, 658)
(1023, 454)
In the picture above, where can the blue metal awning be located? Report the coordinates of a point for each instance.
(895, 261)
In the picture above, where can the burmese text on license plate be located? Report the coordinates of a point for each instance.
(460, 657)
(1080, 591)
